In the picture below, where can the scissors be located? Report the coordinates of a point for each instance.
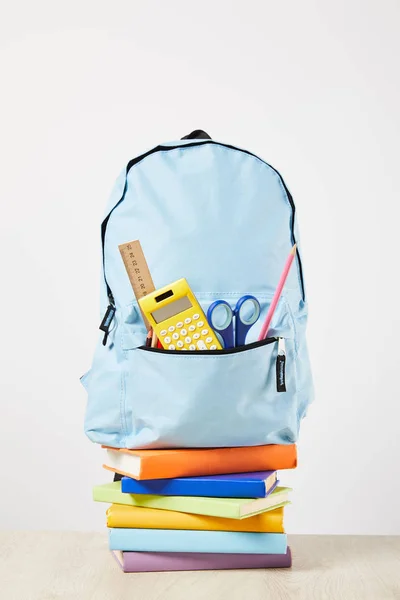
(231, 337)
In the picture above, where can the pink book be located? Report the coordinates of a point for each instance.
(134, 562)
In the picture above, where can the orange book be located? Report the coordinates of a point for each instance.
(166, 464)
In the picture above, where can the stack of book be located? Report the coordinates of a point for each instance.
(176, 510)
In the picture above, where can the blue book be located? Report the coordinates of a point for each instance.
(165, 540)
(242, 485)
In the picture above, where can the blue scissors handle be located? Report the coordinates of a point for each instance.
(226, 328)
(243, 324)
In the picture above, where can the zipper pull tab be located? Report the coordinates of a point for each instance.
(106, 322)
(280, 366)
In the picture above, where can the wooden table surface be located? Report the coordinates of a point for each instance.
(78, 566)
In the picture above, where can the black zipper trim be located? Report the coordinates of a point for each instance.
(138, 159)
(265, 342)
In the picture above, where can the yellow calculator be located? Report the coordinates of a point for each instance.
(177, 318)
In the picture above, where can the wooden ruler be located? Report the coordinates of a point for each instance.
(138, 271)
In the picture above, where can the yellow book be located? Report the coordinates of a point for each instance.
(120, 515)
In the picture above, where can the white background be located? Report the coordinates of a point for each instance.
(311, 86)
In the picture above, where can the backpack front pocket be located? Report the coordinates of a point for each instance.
(211, 399)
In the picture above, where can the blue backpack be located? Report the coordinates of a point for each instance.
(224, 219)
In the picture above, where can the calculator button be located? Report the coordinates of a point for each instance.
(179, 324)
(163, 332)
(167, 340)
(179, 344)
(201, 345)
(195, 317)
(192, 327)
(209, 340)
(188, 320)
(196, 336)
(188, 340)
(171, 347)
(175, 336)
(192, 347)
(171, 328)
(184, 332)
(204, 332)
(200, 324)
(213, 347)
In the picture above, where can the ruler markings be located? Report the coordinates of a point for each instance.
(138, 271)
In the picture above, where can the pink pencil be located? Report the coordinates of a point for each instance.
(277, 295)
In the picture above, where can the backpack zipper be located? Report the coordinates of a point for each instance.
(105, 324)
(224, 351)
(107, 320)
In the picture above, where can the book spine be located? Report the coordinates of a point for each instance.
(152, 518)
(188, 504)
(135, 562)
(238, 460)
(158, 540)
(216, 489)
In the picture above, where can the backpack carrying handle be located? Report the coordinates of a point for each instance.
(197, 134)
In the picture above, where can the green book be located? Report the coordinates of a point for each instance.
(230, 508)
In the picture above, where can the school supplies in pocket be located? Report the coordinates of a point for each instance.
(233, 335)
(277, 294)
(139, 276)
(224, 219)
(178, 319)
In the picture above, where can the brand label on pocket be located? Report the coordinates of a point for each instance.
(280, 373)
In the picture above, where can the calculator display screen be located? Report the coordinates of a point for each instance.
(171, 309)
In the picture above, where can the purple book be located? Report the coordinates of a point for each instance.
(135, 562)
